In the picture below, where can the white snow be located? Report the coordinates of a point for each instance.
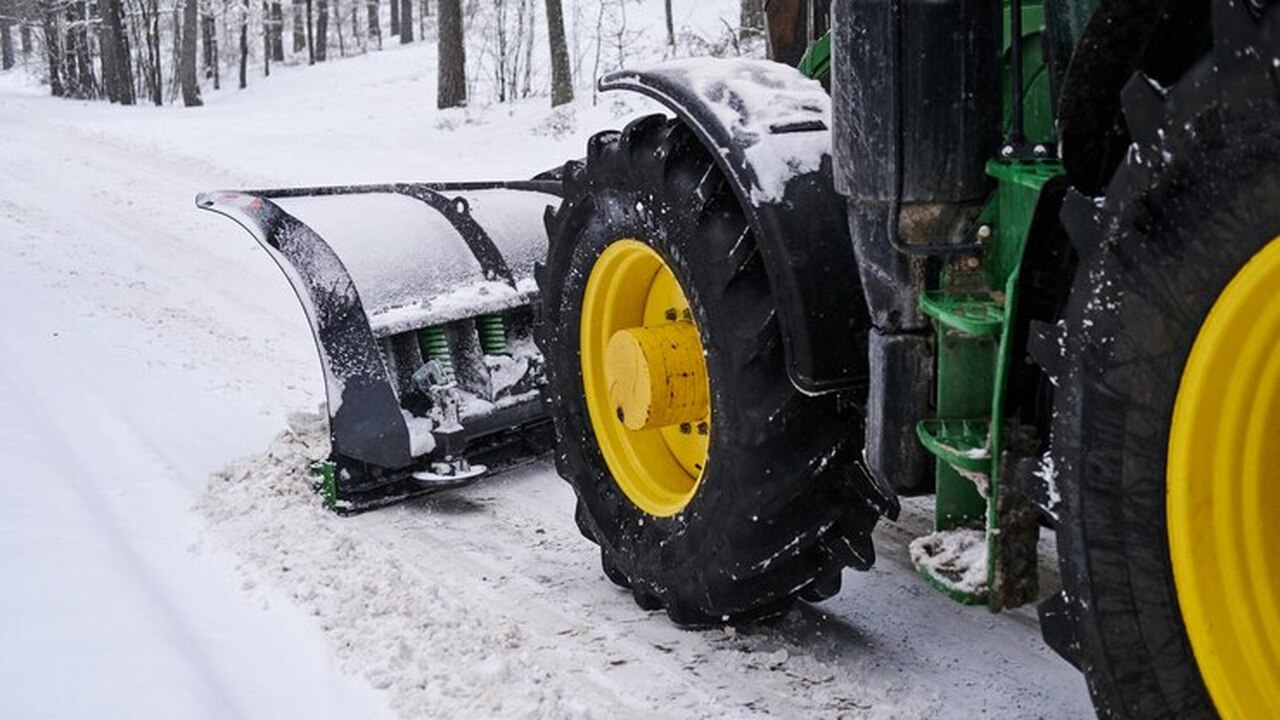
(147, 344)
(421, 441)
(957, 557)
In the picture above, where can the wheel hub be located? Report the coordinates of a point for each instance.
(656, 376)
(645, 378)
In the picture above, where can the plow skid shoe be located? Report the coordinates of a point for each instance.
(419, 298)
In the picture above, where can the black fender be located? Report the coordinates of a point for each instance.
(769, 129)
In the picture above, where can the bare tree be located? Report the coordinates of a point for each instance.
(53, 47)
(78, 67)
(394, 7)
(187, 60)
(299, 27)
(244, 44)
(406, 21)
(751, 19)
(561, 80)
(266, 38)
(375, 24)
(451, 80)
(671, 25)
(150, 64)
(337, 25)
(6, 37)
(117, 72)
(311, 44)
(277, 31)
(322, 30)
(210, 42)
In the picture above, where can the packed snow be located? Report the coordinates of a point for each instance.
(163, 555)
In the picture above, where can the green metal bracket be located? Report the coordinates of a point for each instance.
(326, 483)
(816, 62)
(975, 329)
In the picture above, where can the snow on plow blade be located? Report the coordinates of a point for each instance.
(419, 298)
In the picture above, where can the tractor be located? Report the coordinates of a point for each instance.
(1021, 255)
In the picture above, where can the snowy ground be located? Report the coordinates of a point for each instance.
(146, 345)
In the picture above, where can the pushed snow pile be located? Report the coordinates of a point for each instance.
(506, 614)
(958, 557)
(430, 653)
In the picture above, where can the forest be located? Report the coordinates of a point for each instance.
(490, 51)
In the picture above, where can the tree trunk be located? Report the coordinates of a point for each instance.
(277, 31)
(406, 21)
(671, 25)
(24, 34)
(117, 70)
(751, 19)
(375, 25)
(311, 43)
(210, 40)
(451, 81)
(6, 37)
(394, 6)
(299, 28)
(266, 38)
(187, 61)
(337, 25)
(322, 30)
(244, 45)
(152, 71)
(80, 79)
(561, 80)
(53, 48)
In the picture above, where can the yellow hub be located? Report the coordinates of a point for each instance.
(645, 378)
(656, 376)
(1223, 503)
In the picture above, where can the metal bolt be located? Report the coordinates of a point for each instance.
(1040, 150)
(670, 314)
(686, 428)
(1006, 151)
(984, 232)
(972, 263)
(703, 428)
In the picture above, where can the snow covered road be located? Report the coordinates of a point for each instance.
(147, 344)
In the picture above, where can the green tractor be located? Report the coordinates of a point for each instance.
(1023, 256)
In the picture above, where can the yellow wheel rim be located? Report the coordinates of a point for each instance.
(1224, 492)
(645, 378)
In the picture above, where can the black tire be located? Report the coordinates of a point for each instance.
(773, 516)
(1196, 198)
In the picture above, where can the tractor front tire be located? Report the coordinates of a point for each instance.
(760, 513)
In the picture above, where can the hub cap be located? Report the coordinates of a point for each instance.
(1223, 503)
(645, 378)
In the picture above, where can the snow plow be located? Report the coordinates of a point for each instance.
(426, 346)
(1020, 256)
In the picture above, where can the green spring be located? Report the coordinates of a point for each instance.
(493, 334)
(434, 344)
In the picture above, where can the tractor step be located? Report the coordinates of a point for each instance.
(963, 444)
(976, 314)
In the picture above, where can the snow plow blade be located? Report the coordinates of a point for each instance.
(419, 298)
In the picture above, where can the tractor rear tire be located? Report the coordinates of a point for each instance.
(1193, 203)
(772, 516)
